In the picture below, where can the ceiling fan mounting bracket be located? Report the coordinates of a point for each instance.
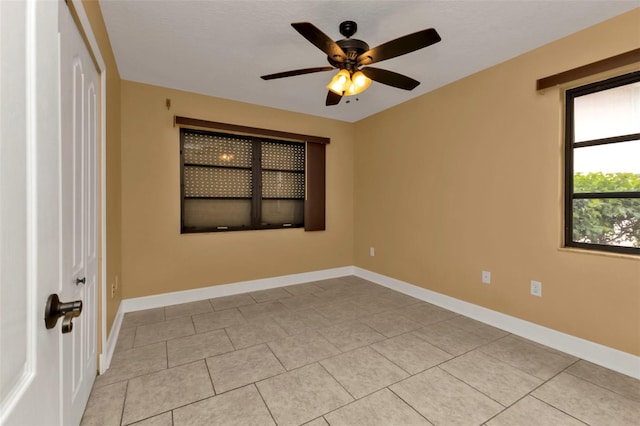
(348, 28)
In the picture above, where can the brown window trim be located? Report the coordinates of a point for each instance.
(604, 65)
(314, 204)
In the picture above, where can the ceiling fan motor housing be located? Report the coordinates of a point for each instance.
(353, 48)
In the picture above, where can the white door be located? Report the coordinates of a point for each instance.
(48, 215)
(79, 118)
(29, 211)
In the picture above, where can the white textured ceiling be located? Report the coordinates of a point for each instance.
(221, 48)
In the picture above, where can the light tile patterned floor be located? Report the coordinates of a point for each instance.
(344, 352)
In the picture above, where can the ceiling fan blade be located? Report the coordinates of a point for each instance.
(390, 78)
(333, 98)
(399, 46)
(320, 40)
(295, 72)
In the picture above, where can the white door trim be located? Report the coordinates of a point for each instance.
(94, 49)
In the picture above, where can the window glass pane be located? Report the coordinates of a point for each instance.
(216, 150)
(607, 168)
(278, 212)
(216, 182)
(607, 113)
(282, 156)
(215, 213)
(614, 222)
(282, 185)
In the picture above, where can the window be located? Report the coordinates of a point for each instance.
(232, 182)
(602, 170)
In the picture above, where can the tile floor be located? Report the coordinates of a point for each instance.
(344, 352)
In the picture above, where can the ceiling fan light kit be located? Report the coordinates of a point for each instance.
(346, 84)
(351, 57)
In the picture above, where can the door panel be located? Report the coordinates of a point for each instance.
(76, 158)
(78, 87)
(29, 213)
(17, 365)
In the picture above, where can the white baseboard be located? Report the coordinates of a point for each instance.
(166, 299)
(613, 359)
(107, 352)
(605, 356)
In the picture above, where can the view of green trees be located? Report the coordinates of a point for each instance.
(611, 221)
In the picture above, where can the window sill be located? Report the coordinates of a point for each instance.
(599, 253)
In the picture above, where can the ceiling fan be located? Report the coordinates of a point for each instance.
(352, 57)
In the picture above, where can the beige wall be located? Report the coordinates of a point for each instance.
(113, 133)
(469, 178)
(156, 258)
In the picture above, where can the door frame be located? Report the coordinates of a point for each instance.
(82, 20)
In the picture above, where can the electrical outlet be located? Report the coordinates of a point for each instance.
(536, 288)
(486, 277)
(113, 290)
(372, 251)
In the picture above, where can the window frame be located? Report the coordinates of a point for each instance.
(256, 183)
(571, 145)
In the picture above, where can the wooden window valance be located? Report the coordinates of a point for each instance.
(246, 130)
(604, 65)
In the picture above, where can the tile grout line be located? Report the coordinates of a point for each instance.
(530, 393)
(390, 360)
(213, 385)
(166, 352)
(410, 406)
(518, 368)
(556, 408)
(150, 417)
(596, 384)
(474, 388)
(124, 402)
(229, 337)
(338, 382)
(255, 385)
(276, 356)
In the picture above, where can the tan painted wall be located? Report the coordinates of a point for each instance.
(92, 9)
(469, 178)
(156, 258)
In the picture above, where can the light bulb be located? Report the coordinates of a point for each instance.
(359, 83)
(340, 82)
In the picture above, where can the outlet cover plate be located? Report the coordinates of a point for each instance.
(486, 277)
(536, 288)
